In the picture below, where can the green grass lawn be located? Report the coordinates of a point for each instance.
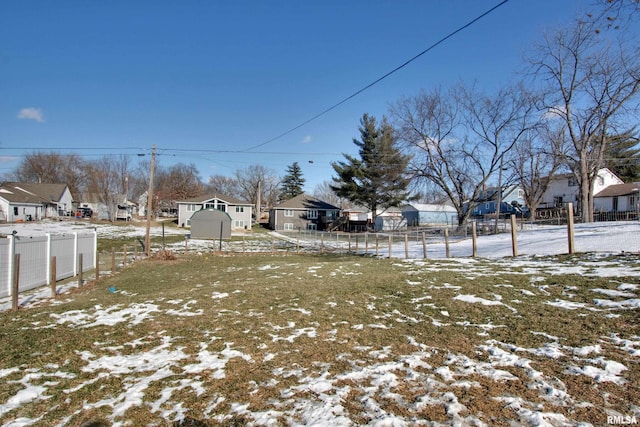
(278, 340)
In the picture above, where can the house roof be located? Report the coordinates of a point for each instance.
(27, 192)
(570, 175)
(619, 190)
(303, 201)
(208, 197)
(431, 207)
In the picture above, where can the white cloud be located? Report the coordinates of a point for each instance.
(555, 112)
(31, 114)
(306, 139)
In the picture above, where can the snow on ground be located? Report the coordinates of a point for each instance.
(496, 360)
(122, 230)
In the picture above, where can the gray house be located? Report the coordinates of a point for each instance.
(210, 224)
(302, 212)
(239, 211)
(26, 201)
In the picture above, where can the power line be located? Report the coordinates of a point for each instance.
(315, 117)
(378, 80)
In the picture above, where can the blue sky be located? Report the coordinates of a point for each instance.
(207, 80)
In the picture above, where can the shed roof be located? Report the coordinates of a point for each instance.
(619, 190)
(210, 214)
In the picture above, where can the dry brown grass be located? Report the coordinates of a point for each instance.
(299, 319)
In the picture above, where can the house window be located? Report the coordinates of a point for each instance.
(487, 206)
(573, 182)
(209, 205)
(312, 214)
(633, 200)
(600, 180)
(312, 227)
(15, 210)
(239, 209)
(222, 208)
(192, 208)
(557, 201)
(288, 226)
(521, 194)
(288, 212)
(239, 223)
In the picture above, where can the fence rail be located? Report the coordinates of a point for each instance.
(513, 237)
(35, 257)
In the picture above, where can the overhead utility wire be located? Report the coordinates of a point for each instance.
(353, 95)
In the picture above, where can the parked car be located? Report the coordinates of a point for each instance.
(84, 213)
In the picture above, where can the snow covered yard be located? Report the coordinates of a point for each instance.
(332, 340)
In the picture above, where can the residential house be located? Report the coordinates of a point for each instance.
(22, 201)
(511, 202)
(239, 211)
(124, 210)
(302, 212)
(355, 219)
(618, 198)
(420, 215)
(390, 219)
(564, 188)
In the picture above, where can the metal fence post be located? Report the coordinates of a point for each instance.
(514, 236)
(97, 266)
(15, 282)
(80, 268)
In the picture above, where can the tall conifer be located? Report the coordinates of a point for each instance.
(377, 179)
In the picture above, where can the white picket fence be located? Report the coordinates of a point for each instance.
(36, 253)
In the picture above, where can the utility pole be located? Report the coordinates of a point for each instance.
(258, 202)
(499, 195)
(147, 240)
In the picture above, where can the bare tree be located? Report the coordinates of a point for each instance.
(106, 182)
(459, 138)
(139, 177)
(224, 185)
(53, 167)
(590, 84)
(258, 183)
(177, 182)
(614, 14)
(534, 162)
(324, 192)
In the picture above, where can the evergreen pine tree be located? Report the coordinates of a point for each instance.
(376, 180)
(292, 182)
(622, 156)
